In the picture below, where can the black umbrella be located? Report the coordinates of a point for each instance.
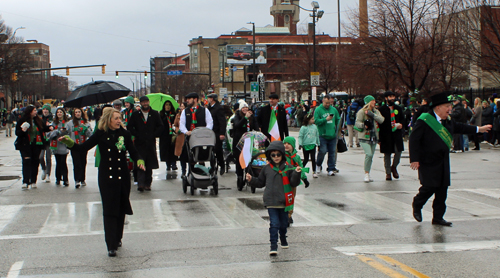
(95, 93)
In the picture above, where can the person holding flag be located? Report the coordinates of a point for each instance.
(243, 121)
(272, 120)
(279, 179)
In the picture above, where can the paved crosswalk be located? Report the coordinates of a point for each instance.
(157, 215)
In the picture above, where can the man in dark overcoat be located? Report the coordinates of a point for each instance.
(459, 115)
(430, 144)
(264, 117)
(146, 125)
(219, 118)
(391, 134)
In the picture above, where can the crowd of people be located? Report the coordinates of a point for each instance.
(127, 127)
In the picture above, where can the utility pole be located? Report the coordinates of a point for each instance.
(209, 69)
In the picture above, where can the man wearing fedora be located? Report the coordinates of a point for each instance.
(429, 145)
(391, 134)
(145, 125)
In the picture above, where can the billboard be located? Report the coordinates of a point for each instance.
(241, 54)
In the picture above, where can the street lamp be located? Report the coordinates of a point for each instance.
(209, 65)
(175, 54)
(253, 49)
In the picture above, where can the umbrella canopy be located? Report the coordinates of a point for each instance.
(157, 100)
(95, 93)
(259, 141)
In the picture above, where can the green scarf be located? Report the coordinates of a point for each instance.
(437, 127)
(289, 198)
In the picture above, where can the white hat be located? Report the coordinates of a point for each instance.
(243, 104)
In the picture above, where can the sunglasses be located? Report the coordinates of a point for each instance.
(276, 155)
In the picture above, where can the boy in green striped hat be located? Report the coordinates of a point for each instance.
(279, 179)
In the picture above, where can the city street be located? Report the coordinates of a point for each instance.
(342, 227)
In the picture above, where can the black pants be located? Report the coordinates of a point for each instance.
(79, 165)
(31, 159)
(219, 152)
(113, 230)
(145, 178)
(477, 140)
(61, 167)
(239, 170)
(311, 153)
(458, 142)
(439, 204)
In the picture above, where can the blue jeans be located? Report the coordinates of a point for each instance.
(329, 146)
(278, 219)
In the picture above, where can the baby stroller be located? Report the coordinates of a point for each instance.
(258, 156)
(200, 146)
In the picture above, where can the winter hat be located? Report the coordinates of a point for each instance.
(46, 106)
(117, 102)
(130, 100)
(368, 98)
(290, 140)
(243, 104)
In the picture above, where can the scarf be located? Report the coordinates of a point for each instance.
(170, 127)
(289, 198)
(35, 133)
(144, 119)
(128, 113)
(53, 143)
(80, 132)
(393, 119)
(193, 115)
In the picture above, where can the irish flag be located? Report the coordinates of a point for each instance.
(246, 152)
(274, 130)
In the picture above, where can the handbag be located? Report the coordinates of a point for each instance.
(341, 144)
(174, 136)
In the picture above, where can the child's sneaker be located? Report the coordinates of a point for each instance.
(284, 243)
(318, 169)
(25, 186)
(306, 182)
(315, 175)
(274, 251)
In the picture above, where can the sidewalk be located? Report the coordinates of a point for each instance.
(10, 161)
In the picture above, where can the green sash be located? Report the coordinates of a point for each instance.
(440, 130)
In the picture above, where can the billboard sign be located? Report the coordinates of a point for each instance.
(241, 54)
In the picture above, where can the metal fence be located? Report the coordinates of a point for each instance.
(483, 93)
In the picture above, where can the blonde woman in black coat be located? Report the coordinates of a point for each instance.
(114, 177)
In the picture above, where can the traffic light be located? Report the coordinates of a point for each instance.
(67, 71)
(103, 69)
(145, 74)
(14, 76)
(116, 74)
(221, 73)
(227, 71)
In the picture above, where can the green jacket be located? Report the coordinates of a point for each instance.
(308, 135)
(327, 129)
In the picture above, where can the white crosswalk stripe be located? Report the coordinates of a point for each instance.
(68, 219)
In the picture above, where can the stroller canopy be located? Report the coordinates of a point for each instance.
(202, 136)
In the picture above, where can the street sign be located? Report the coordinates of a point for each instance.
(254, 86)
(254, 94)
(313, 93)
(177, 97)
(222, 92)
(314, 79)
(174, 72)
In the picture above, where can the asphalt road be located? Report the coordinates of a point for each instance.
(343, 226)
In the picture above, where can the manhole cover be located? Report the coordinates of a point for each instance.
(6, 178)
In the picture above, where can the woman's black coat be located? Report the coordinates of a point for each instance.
(166, 146)
(114, 176)
(240, 126)
(23, 142)
(387, 138)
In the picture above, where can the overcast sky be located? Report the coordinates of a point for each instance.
(124, 34)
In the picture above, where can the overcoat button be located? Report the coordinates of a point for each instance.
(110, 159)
(119, 168)
(110, 168)
(110, 177)
(119, 178)
(118, 159)
(109, 150)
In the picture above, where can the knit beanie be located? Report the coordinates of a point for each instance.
(46, 107)
(368, 98)
(130, 100)
(290, 140)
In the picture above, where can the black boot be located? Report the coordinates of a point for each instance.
(240, 183)
(306, 182)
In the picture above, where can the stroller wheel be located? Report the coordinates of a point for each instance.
(184, 185)
(192, 190)
(215, 186)
(252, 189)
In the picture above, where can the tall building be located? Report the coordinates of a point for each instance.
(286, 13)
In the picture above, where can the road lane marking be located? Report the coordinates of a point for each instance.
(402, 266)
(15, 269)
(320, 214)
(7, 214)
(472, 207)
(380, 267)
(489, 192)
(419, 248)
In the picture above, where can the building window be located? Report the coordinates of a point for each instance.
(287, 20)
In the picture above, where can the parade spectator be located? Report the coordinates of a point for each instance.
(129, 108)
(391, 134)
(300, 113)
(145, 125)
(272, 120)
(9, 120)
(167, 115)
(117, 104)
(219, 127)
(468, 116)
(496, 127)
(60, 150)
(458, 114)
(327, 119)
(113, 176)
(46, 154)
(29, 143)
(367, 121)
(424, 108)
(79, 131)
(476, 120)
(97, 115)
(352, 111)
(487, 119)
(429, 146)
(192, 117)
(179, 141)
(309, 141)
(278, 196)
(243, 121)
(293, 159)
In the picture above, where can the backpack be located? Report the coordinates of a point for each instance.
(352, 115)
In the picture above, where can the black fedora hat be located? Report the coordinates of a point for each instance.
(440, 98)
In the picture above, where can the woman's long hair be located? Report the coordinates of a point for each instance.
(65, 116)
(164, 113)
(84, 117)
(27, 117)
(107, 115)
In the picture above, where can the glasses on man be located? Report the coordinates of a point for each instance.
(276, 155)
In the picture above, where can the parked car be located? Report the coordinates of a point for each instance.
(240, 55)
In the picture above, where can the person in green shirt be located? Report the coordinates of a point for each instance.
(327, 119)
(309, 140)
